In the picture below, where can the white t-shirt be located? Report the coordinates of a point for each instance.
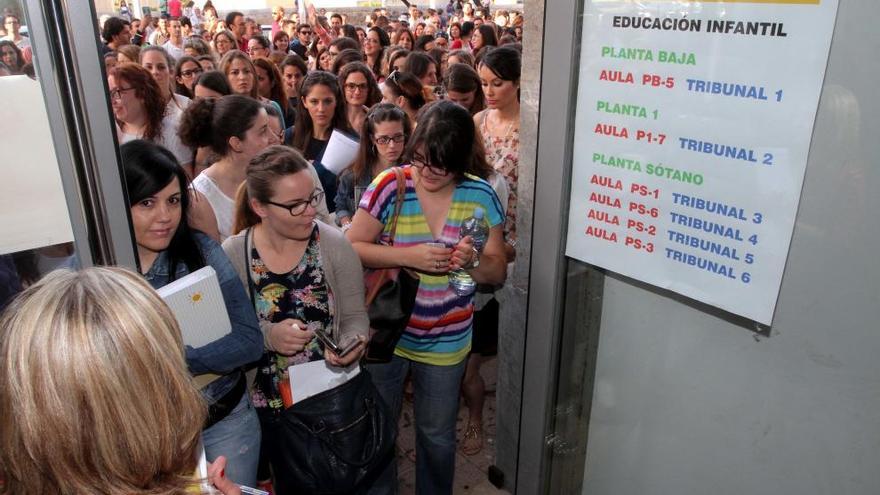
(173, 50)
(223, 205)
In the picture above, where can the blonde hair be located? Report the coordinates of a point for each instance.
(95, 396)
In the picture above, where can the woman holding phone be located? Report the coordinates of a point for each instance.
(303, 278)
(168, 250)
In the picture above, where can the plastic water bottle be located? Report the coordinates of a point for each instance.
(478, 228)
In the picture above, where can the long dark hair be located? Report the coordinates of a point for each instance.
(276, 93)
(179, 88)
(384, 41)
(18, 57)
(367, 155)
(374, 94)
(462, 78)
(447, 134)
(304, 127)
(148, 169)
(212, 121)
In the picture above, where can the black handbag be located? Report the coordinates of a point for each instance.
(390, 295)
(334, 442)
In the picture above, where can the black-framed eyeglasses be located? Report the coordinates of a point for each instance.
(352, 87)
(421, 162)
(397, 138)
(191, 72)
(299, 207)
(116, 94)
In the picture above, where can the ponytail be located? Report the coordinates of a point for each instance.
(244, 216)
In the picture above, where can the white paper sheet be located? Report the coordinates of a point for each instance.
(340, 153)
(312, 378)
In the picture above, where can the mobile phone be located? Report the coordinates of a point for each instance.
(333, 346)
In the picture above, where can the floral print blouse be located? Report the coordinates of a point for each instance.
(502, 153)
(301, 294)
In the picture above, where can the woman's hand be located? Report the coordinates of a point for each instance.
(289, 336)
(352, 356)
(464, 253)
(428, 257)
(216, 477)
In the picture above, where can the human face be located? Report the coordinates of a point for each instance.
(441, 42)
(478, 22)
(252, 29)
(321, 104)
(241, 77)
(109, 63)
(292, 77)
(174, 30)
(432, 178)
(305, 35)
(157, 65)
(395, 140)
(9, 57)
(373, 44)
(463, 99)
(398, 64)
(420, 29)
(264, 82)
(405, 40)
(281, 43)
(255, 49)
(202, 92)
(455, 32)
(127, 105)
(499, 93)
(163, 25)
(334, 52)
(238, 26)
(135, 25)
(255, 139)
(277, 14)
(276, 133)
(222, 44)
(362, 36)
(477, 40)
(356, 89)
(289, 190)
(124, 36)
(335, 23)
(207, 65)
(189, 71)
(430, 77)
(325, 61)
(155, 219)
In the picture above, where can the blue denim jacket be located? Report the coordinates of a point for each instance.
(243, 345)
(346, 199)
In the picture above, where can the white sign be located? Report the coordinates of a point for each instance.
(692, 133)
(33, 209)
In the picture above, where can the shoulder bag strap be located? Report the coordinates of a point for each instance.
(248, 239)
(398, 201)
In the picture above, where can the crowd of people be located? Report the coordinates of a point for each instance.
(222, 134)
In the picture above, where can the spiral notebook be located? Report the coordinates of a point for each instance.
(197, 303)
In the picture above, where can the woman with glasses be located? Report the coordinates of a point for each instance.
(236, 128)
(443, 187)
(258, 47)
(374, 48)
(186, 73)
(302, 276)
(383, 138)
(223, 42)
(360, 90)
(140, 111)
(167, 250)
(321, 111)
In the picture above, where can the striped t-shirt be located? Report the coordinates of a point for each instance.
(439, 330)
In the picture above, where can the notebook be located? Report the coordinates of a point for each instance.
(197, 303)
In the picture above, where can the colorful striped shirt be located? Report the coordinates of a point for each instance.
(439, 330)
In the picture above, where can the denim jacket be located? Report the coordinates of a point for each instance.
(243, 345)
(347, 196)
